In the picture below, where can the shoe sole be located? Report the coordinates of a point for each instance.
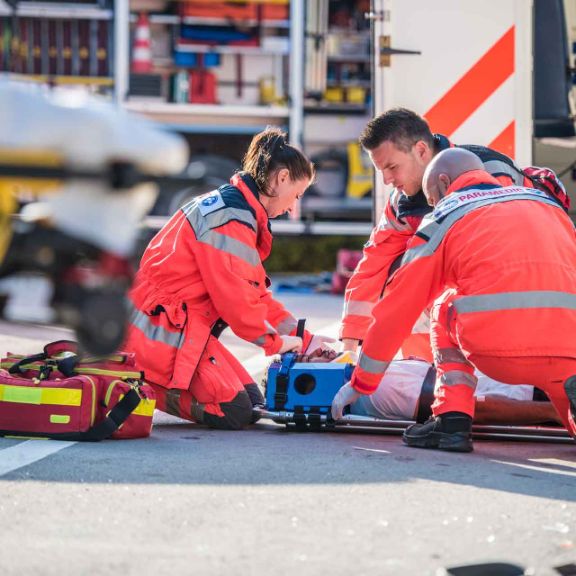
(456, 442)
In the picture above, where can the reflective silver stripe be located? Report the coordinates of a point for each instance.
(202, 224)
(270, 331)
(436, 231)
(515, 300)
(270, 328)
(358, 308)
(449, 356)
(287, 325)
(372, 366)
(458, 377)
(225, 215)
(497, 167)
(231, 246)
(157, 333)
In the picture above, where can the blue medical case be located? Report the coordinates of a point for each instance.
(304, 387)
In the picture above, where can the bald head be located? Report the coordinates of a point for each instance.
(444, 168)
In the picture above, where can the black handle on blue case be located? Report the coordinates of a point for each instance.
(300, 327)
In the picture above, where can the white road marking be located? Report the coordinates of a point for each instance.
(371, 450)
(539, 468)
(28, 452)
(554, 462)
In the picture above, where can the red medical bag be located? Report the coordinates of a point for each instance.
(58, 394)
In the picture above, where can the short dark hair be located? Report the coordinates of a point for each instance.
(400, 126)
(269, 152)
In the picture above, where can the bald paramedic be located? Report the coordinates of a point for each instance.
(503, 258)
(401, 145)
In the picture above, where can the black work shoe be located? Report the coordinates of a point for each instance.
(256, 413)
(570, 388)
(451, 431)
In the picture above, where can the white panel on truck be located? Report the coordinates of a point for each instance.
(472, 76)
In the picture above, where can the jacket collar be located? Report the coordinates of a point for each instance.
(249, 189)
(473, 179)
(441, 143)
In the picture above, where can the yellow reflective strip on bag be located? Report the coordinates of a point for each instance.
(36, 395)
(145, 408)
(109, 391)
(103, 372)
(59, 419)
(93, 415)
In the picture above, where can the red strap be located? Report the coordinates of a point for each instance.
(546, 180)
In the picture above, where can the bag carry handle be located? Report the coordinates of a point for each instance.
(66, 365)
(104, 429)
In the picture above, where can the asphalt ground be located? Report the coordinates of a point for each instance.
(266, 501)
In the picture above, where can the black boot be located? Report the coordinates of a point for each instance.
(451, 431)
(570, 388)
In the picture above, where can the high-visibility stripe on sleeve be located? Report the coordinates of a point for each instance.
(515, 300)
(231, 246)
(270, 331)
(458, 378)
(499, 168)
(449, 356)
(372, 366)
(287, 325)
(156, 333)
(358, 308)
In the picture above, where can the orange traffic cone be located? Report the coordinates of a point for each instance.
(142, 54)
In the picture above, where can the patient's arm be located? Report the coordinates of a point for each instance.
(501, 410)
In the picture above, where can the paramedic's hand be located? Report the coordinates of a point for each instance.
(290, 344)
(319, 342)
(345, 396)
(319, 355)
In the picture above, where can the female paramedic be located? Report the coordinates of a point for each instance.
(202, 272)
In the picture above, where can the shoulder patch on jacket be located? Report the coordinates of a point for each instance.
(210, 202)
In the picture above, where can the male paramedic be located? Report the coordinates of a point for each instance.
(401, 145)
(509, 256)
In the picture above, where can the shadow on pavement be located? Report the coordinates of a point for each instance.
(187, 454)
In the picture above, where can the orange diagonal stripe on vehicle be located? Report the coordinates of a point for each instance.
(481, 81)
(505, 142)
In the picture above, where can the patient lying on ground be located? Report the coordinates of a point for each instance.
(406, 392)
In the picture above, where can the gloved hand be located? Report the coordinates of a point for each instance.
(345, 396)
(347, 357)
(318, 342)
(290, 344)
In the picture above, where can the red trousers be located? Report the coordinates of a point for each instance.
(456, 383)
(221, 393)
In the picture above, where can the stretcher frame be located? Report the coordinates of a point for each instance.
(321, 422)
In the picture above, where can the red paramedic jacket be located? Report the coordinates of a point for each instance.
(205, 265)
(509, 252)
(400, 219)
